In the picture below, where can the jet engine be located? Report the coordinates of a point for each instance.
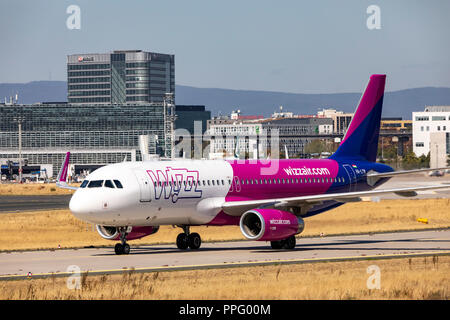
(112, 233)
(270, 224)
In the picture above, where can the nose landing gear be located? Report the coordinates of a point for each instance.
(187, 239)
(123, 247)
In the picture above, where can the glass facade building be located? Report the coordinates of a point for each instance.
(130, 76)
(95, 134)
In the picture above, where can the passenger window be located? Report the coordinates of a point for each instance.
(118, 184)
(84, 184)
(109, 184)
(95, 184)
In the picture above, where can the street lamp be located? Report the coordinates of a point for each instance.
(20, 120)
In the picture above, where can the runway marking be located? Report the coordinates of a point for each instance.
(228, 265)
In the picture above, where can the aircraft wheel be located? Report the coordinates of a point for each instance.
(194, 241)
(276, 244)
(118, 249)
(126, 248)
(289, 243)
(182, 241)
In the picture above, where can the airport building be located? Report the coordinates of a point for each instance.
(431, 134)
(95, 134)
(253, 138)
(188, 115)
(341, 120)
(434, 119)
(127, 76)
(190, 126)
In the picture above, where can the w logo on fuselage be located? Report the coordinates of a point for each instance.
(175, 184)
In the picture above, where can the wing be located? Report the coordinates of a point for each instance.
(236, 208)
(394, 173)
(373, 177)
(61, 181)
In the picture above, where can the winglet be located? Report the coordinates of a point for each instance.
(62, 175)
(61, 180)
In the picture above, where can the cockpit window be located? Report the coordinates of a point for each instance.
(95, 184)
(109, 184)
(84, 184)
(118, 184)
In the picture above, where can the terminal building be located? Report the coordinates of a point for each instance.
(95, 134)
(127, 76)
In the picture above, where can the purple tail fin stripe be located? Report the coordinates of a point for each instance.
(373, 93)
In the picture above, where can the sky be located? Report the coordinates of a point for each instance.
(322, 46)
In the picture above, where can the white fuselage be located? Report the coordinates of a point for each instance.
(185, 192)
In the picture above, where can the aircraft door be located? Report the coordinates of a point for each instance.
(145, 185)
(351, 176)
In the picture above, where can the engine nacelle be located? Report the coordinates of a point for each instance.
(270, 224)
(112, 233)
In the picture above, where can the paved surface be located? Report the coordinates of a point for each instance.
(33, 203)
(223, 254)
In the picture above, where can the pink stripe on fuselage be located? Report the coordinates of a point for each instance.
(294, 177)
(370, 98)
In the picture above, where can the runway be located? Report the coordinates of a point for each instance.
(16, 265)
(10, 204)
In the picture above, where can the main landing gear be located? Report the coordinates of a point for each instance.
(288, 243)
(188, 240)
(123, 247)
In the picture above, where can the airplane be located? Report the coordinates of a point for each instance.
(131, 200)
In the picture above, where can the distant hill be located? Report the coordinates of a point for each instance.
(396, 103)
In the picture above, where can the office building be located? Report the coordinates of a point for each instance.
(434, 119)
(253, 138)
(188, 115)
(128, 76)
(341, 120)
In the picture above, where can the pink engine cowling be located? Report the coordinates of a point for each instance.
(112, 233)
(270, 224)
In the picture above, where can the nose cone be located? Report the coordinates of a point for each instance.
(79, 206)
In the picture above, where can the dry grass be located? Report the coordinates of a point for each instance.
(48, 229)
(414, 278)
(8, 189)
